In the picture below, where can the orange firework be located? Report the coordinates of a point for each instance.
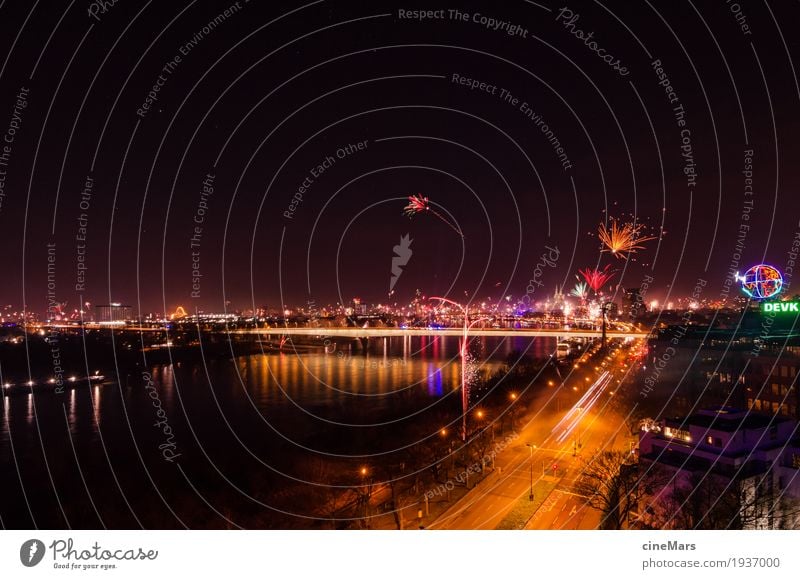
(622, 239)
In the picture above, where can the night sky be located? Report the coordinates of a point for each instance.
(252, 97)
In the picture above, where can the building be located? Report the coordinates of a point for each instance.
(358, 308)
(722, 468)
(113, 313)
(770, 378)
(633, 304)
(747, 366)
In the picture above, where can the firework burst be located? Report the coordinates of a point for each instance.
(581, 290)
(596, 278)
(419, 204)
(622, 239)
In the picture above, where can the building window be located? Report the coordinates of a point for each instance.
(677, 433)
(775, 389)
(796, 460)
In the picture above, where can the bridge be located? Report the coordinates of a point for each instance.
(404, 332)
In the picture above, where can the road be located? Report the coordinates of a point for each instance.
(599, 428)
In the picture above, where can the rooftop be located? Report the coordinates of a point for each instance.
(728, 419)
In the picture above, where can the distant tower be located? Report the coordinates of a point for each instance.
(114, 313)
(634, 305)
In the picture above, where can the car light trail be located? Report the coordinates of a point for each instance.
(573, 417)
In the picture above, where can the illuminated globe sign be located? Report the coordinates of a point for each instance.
(761, 281)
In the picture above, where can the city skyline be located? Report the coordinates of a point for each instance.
(322, 225)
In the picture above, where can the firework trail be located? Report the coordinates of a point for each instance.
(622, 239)
(596, 278)
(581, 290)
(419, 204)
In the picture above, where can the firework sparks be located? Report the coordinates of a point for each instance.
(596, 278)
(581, 290)
(622, 239)
(419, 204)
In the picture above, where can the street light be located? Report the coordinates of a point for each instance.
(367, 493)
(531, 447)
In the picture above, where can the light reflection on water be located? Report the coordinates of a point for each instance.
(425, 367)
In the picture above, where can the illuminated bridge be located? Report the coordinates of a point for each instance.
(402, 332)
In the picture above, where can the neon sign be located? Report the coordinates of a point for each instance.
(793, 307)
(761, 281)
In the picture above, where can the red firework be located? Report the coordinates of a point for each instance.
(596, 278)
(420, 204)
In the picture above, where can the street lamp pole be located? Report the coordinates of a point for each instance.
(531, 447)
(605, 306)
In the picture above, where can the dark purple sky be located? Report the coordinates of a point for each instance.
(263, 96)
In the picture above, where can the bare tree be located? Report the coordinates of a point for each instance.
(610, 483)
(714, 501)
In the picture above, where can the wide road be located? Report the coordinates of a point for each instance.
(488, 504)
(600, 428)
